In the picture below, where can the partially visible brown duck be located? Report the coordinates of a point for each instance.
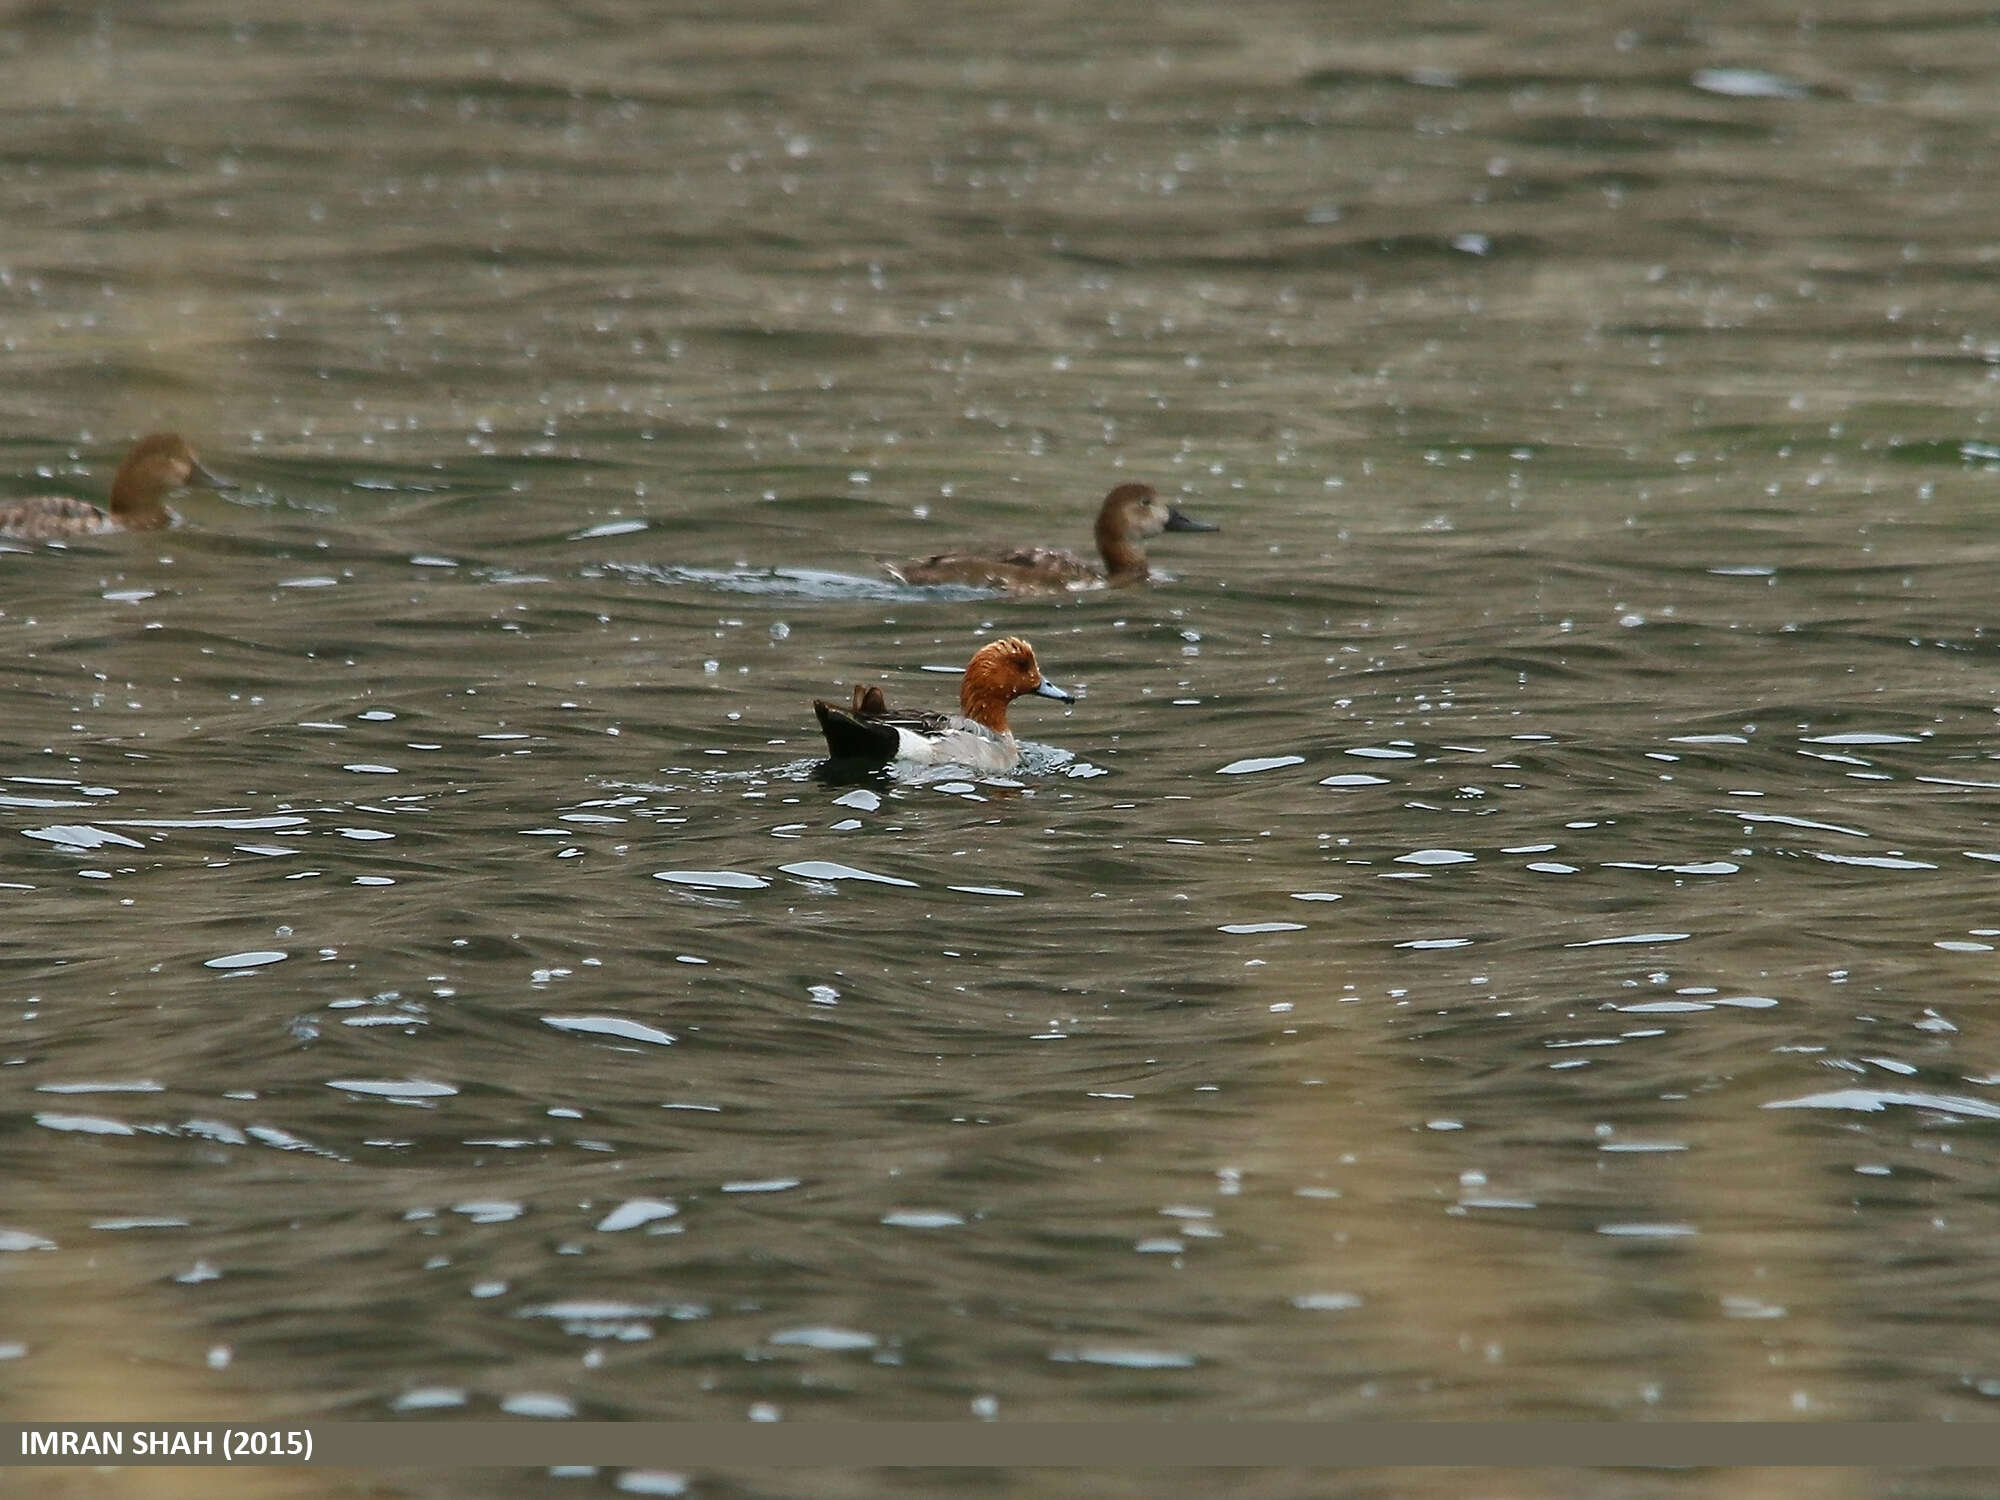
(158, 465)
(1130, 514)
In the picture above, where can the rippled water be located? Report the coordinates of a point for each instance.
(1502, 933)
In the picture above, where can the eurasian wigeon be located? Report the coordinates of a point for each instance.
(1129, 515)
(158, 465)
(977, 737)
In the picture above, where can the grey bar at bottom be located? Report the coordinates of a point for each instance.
(1169, 1444)
(1164, 1444)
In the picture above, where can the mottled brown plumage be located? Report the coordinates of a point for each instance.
(1129, 515)
(158, 465)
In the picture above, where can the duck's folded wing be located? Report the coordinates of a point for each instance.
(1009, 567)
(1058, 561)
(48, 517)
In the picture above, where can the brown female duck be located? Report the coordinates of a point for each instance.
(1129, 515)
(157, 466)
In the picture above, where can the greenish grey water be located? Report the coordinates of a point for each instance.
(1505, 932)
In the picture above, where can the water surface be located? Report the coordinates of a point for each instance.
(1502, 934)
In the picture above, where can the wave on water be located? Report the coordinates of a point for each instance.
(792, 583)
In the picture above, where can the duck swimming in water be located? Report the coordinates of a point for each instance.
(1129, 515)
(157, 466)
(871, 733)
